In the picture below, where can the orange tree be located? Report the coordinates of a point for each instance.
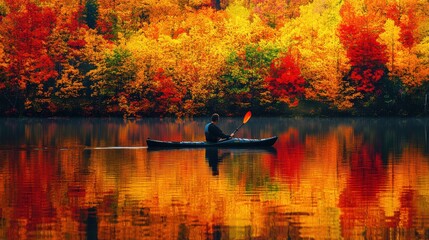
(65, 46)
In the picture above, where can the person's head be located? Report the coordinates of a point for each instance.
(215, 117)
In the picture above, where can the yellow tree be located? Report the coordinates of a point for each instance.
(65, 46)
(94, 54)
(406, 55)
(212, 36)
(390, 37)
(154, 59)
(191, 53)
(201, 54)
(403, 62)
(312, 38)
(422, 50)
(244, 27)
(238, 25)
(144, 50)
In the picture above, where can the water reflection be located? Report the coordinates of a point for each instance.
(213, 158)
(324, 179)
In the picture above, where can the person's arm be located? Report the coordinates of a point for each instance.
(218, 133)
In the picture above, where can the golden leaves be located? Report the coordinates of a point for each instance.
(405, 63)
(70, 84)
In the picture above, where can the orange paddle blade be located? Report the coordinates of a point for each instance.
(247, 117)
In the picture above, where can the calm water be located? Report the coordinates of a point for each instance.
(324, 179)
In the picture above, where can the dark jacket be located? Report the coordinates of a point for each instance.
(213, 133)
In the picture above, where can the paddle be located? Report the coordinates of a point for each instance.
(245, 120)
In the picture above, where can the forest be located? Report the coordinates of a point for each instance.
(184, 58)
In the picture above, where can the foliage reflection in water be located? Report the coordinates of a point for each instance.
(324, 179)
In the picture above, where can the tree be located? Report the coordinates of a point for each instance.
(285, 81)
(66, 46)
(110, 77)
(390, 38)
(243, 81)
(91, 13)
(25, 32)
(359, 35)
(319, 53)
(167, 95)
(102, 56)
(273, 12)
(404, 16)
(405, 56)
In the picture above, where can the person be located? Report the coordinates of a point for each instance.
(213, 132)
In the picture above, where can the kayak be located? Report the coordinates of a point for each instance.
(229, 143)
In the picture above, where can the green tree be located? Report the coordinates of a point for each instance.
(91, 13)
(111, 79)
(243, 85)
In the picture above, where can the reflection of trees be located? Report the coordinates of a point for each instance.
(392, 136)
(380, 193)
(247, 169)
(389, 135)
(359, 200)
(340, 179)
(283, 224)
(365, 151)
(75, 133)
(29, 193)
(290, 155)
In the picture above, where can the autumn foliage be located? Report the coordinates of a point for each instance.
(285, 81)
(178, 58)
(168, 95)
(359, 34)
(28, 64)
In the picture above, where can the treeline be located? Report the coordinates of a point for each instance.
(194, 57)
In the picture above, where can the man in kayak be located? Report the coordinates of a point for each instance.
(213, 132)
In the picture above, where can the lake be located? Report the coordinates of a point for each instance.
(353, 178)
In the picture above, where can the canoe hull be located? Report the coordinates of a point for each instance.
(230, 143)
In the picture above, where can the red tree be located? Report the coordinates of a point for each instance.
(359, 34)
(285, 81)
(27, 33)
(406, 20)
(168, 96)
(408, 28)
